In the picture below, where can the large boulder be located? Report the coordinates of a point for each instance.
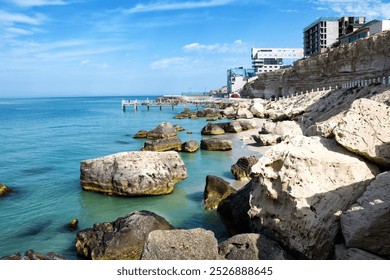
(162, 131)
(267, 139)
(162, 145)
(247, 124)
(216, 190)
(366, 225)
(365, 129)
(243, 113)
(208, 113)
(122, 239)
(4, 190)
(133, 173)
(32, 255)
(216, 144)
(229, 112)
(257, 110)
(301, 187)
(234, 211)
(251, 246)
(242, 168)
(282, 128)
(212, 129)
(231, 127)
(180, 244)
(190, 146)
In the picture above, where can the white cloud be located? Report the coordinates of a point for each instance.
(165, 6)
(181, 62)
(370, 8)
(32, 3)
(12, 18)
(238, 46)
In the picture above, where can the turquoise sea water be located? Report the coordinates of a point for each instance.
(42, 143)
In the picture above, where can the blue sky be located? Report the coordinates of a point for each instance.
(131, 47)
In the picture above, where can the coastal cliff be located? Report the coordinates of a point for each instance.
(361, 60)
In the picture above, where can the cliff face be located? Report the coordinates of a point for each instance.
(361, 60)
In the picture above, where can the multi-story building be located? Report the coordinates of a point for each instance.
(271, 59)
(325, 31)
(364, 30)
(237, 78)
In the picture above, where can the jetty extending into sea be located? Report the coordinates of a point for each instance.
(171, 101)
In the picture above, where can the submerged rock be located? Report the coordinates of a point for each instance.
(180, 244)
(216, 144)
(73, 224)
(216, 190)
(122, 239)
(4, 190)
(32, 255)
(301, 186)
(133, 173)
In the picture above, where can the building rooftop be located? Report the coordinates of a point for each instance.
(319, 20)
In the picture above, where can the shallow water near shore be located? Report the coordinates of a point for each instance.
(43, 141)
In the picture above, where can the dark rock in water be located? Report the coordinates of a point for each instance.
(180, 244)
(234, 211)
(133, 173)
(4, 190)
(212, 129)
(216, 190)
(189, 132)
(32, 255)
(122, 239)
(190, 146)
(162, 145)
(73, 224)
(162, 131)
(216, 144)
(251, 246)
(35, 229)
(241, 170)
(141, 134)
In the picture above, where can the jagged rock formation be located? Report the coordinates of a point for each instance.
(133, 173)
(361, 60)
(242, 168)
(300, 188)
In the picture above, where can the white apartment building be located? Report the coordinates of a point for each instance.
(271, 59)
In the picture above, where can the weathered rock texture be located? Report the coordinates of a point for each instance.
(242, 168)
(365, 129)
(267, 139)
(251, 246)
(341, 252)
(356, 61)
(179, 244)
(216, 190)
(366, 225)
(141, 134)
(216, 144)
(300, 188)
(133, 173)
(212, 129)
(162, 131)
(162, 145)
(122, 239)
(190, 146)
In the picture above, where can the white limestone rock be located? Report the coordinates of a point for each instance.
(365, 129)
(257, 110)
(243, 113)
(366, 225)
(133, 173)
(301, 186)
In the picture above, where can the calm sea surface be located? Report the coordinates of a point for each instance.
(42, 143)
